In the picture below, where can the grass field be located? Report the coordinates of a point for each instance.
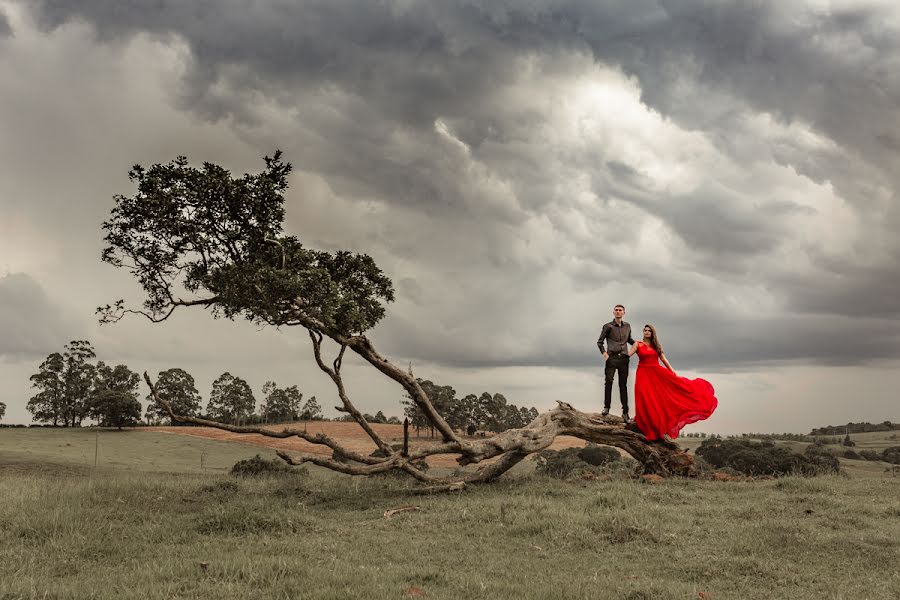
(150, 523)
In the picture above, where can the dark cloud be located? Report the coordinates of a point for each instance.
(441, 124)
(5, 27)
(33, 326)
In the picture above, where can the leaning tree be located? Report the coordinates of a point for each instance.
(199, 237)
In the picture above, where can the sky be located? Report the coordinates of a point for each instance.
(727, 170)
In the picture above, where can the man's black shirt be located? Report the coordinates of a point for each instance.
(618, 337)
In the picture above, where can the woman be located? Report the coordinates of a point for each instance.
(663, 401)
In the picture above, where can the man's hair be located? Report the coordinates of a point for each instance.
(622, 306)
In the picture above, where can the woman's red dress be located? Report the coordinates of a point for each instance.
(665, 402)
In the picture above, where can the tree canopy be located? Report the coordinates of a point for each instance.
(202, 232)
(177, 387)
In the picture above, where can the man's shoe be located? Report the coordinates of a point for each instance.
(625, 418)
(605, 411)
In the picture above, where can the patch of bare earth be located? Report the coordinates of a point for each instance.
(349, 435)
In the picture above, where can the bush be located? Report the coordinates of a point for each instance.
(869, 455)
(573, 463)
(765, 458)
(598, 456)
(819, 462)
(257, 466)
(891, 455)
(851, 454)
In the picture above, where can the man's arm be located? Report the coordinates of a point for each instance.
(603, 335)
(630, 341)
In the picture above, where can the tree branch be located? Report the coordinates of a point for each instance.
(335, 375)
(317, 438)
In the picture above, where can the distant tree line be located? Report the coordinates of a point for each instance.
(855, 428)
(784, 437)
(71, 388)
(471, 413)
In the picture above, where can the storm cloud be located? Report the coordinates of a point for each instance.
(728, 170)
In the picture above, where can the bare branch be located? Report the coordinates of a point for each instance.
(335, 375)
(313, 438)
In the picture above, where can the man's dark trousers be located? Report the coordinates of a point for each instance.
(617, 362)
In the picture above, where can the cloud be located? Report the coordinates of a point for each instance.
(726, 170)
(33, 326)
(5, 27)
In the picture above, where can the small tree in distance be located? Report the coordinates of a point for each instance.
(231, 399)
(177, 387)
(2, 410)
(198, 237)
(312, 410)
(280, 405)
(114, 400)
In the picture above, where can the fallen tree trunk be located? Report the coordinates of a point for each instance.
(498, 454)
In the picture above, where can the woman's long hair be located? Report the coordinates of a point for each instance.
(654, 339)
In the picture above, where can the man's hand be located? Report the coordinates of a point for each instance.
(605, 356)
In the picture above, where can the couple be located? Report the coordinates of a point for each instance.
(664, 402)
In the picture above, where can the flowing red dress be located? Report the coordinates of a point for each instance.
(665, 402)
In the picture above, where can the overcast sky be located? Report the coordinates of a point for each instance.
(727, 170)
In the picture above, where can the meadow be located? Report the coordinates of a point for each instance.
(159, 517)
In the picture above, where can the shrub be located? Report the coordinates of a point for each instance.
(851, 454)
(598, 456)
(891, 455)
(571, 463)
(765, 458)
(256, 466)
(869, 455)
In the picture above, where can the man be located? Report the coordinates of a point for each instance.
(617, 335)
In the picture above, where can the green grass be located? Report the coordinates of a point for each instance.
(73, 450)
(115, 532)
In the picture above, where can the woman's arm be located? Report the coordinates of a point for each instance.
(633, 349)
(666, 362)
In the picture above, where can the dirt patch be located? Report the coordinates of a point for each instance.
(349, 435)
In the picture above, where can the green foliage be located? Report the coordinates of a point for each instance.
(765, 458)
(257, 466)
(220, 237)
(114, 400)
(597, 455)
(280, 405)
(312, 410)
(869, 455)
(855, 428)
(231, 399)
(891, 455)
(177, 387)
(570, 463)
(487, 412)
(66, 384)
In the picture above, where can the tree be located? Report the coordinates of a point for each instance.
(66, 382)
(78, 378)
(177, 387)
(47, 405)
(198, 237)
(2, 410)
(312, 411)
(231, 399)
(114, 398)
(280, 404)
